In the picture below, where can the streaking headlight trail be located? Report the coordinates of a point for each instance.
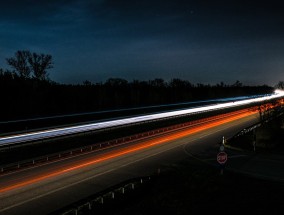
(40, 135)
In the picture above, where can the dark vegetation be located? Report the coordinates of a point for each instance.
(27, 91)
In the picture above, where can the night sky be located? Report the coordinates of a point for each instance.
(199, 41)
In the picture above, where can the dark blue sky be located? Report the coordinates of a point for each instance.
(200, 41)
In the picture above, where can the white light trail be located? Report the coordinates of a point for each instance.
(33, 136)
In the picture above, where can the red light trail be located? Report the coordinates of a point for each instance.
(127, 150)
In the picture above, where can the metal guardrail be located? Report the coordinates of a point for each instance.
(93, 203)
(100, 146)
(256, 125)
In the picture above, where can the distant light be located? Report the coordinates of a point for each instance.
(279, 92)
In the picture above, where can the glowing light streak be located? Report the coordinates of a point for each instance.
(10, 140)
(130, 149)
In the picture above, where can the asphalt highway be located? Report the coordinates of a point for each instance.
(43, 189)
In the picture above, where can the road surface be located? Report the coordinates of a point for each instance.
(41, 190)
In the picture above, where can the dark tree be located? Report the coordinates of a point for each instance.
(39, 64)
(280, 85)
(116, 82)
(178, 83)
(237, 84)
(20, 63)
(26, 62)
(87, 83)
(158, 82)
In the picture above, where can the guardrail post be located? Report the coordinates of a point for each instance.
(89, 205)
(33, 161)
(18, 165)
(112, 195)
(132, 186)
(122, 190)
(141, 181)
(46, 158)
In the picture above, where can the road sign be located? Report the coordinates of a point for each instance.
(222, 157)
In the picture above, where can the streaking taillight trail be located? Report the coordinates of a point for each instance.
(40, 135)
(122, 151)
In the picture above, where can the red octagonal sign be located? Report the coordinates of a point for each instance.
(222, 157)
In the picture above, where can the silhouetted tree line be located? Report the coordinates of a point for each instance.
(26, 91)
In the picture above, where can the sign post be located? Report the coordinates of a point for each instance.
(222, 159)
(222, 156)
